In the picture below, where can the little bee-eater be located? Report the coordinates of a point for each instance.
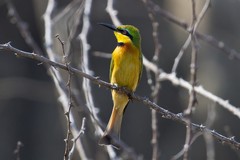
(125, 71)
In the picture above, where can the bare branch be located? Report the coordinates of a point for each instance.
(70, 103)
(180, 54)
(18, 149)
(231, 53)
(85, 49)
(113, 13)
(201, 91)
(193, 78)
(55, 66)
(74, 140)
(85, 67)
(155, 87)
(209, 141)
(56, 76)
(22, 27)
(163, 76)
(208, 39)
(163, 112)
(48, 28)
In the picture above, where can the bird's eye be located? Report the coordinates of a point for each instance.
(124, 32)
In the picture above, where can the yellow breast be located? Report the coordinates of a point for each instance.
(126, 67)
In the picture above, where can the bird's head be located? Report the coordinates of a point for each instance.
(125, 34)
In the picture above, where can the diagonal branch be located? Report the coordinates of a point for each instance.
(22, 27)
(163, 76)
(113, 13)
(231, 53)
(43, 60)
(201, 91)
(163, 112)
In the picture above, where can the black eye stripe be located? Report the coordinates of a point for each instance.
(125, 32)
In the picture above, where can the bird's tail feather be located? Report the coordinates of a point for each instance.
(113, 128)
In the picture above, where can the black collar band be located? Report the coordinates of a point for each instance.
(120, 44)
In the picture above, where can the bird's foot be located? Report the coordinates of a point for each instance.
(128, 92)
(123, 90)
(115, 85)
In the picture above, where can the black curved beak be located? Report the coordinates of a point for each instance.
(110, 26)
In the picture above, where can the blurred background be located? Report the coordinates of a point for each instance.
(30, 110)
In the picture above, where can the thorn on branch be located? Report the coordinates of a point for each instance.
(59, 39)
(232, 138)
(202, 127)
(39, 63)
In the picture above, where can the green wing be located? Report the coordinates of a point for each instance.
(141, 67)
(111, 69)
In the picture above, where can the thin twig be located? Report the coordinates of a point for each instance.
(229, 133)
(180, 54)
(74, 140)
(155, 133)
(163, 112)
(210, 149)
(70, 103)
(208, 39)
(209, 144)
(178, 81)
(155, 32)
(85, 49)
(155, 87)
(18, 150)
(85, 67)
(113, 13)
(201, 91)
(48, 28)
(180, 153)
(56, 75)
(24, 30)
(193, 78)
(163, 76)
(49, 22)
(22, 27)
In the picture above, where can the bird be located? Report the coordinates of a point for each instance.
(125, 71)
